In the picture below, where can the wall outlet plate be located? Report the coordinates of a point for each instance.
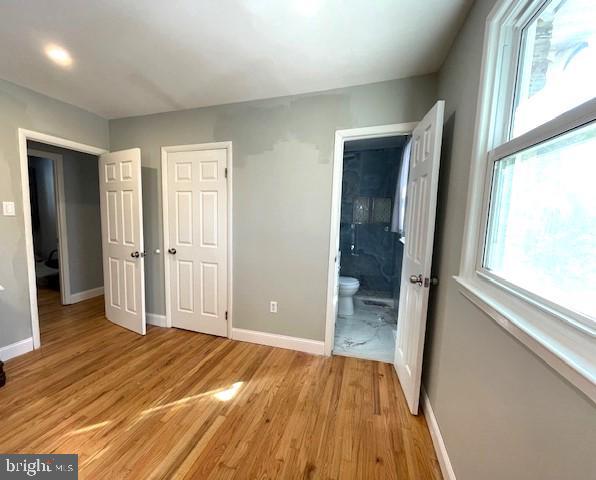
(273, 307)
(8, 209)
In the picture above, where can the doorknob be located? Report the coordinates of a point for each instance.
(172, 251)
(416, 279)
(135, 254)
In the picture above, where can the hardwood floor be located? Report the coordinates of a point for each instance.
(177, 404)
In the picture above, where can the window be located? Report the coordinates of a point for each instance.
(541, 217)
(542, 221)
(557, 63)
(529, 253)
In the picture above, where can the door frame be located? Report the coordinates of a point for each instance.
(165, 221)
(25, 135)
(60, 199)
(342, 136)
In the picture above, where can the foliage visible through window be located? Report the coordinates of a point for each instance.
(542, 220)
(557, 69)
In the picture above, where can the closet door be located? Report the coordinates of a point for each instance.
(197, 239)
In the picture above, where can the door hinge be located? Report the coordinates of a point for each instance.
(226, 173)
(226, 314)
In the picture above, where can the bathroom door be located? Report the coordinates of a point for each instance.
(196, 238)
(122, 238)
(421, 203)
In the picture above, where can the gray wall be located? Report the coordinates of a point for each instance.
(20, 107)
(283, 151)
(83, 219)
(503, 413)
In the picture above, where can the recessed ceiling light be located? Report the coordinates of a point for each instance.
(59, 55)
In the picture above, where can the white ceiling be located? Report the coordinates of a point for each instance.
(136, 57)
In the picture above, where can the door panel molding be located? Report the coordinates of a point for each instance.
(121, 204)
(421, 205)
(199, 237)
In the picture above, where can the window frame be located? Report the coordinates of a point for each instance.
(580, 116)
(566, 340)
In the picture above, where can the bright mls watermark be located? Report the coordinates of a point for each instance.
(39, 465)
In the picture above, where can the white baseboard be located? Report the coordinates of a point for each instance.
(155, 319)
(16, 349)
(280, 341)
(85, 295)
(437, 438)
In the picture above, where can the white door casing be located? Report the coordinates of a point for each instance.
(122, 238)
(197, 239)
(421, 207)
(342, 136)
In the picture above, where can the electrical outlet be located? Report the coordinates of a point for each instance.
(273, 307)
(8, 209)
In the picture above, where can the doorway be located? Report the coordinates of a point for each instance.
(341, 138)
(64, 205)
(371, 246)
(118, 176)
(26, 137)
(418, 237)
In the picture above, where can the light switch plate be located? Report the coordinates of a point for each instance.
(8, 209)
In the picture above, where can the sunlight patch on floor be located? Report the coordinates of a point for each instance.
(222, 394)
(228, 394)
(90, 427)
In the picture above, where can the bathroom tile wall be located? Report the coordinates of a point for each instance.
(373, 174)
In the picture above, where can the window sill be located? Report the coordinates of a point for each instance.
(569, 351)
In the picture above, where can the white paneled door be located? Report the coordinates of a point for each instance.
(196, 239)
(122, 238)
(421, 204)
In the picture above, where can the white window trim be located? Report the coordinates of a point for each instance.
(566, 345)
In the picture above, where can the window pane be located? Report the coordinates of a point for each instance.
(542, 220)
(557, 68)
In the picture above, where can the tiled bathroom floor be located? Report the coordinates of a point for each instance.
(369, 333)
(375, 294)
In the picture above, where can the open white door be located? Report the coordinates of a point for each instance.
(122, 238)
(421, 207)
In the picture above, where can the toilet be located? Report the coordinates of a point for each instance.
(348, 286)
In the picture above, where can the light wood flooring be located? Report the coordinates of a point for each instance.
(176, 404)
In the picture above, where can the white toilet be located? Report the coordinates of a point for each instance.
(348, 286)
